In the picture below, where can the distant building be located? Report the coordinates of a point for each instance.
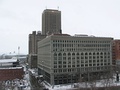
(10, 70)
(33, 61)
(51, 22)
(33, 39)
(14, 55)
(64, 59)
(9, 63)
(116, 52)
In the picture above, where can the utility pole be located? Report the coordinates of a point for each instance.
(18, 52)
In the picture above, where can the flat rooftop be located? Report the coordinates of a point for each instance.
(8, 60)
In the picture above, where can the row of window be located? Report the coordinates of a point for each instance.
(81, 65)
(80, 70)
(81, 45)
(79, 41)
(80, 62)
(80, 49)
(86, 53)
(81, 57)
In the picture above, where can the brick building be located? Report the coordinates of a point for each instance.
(116, 52)
(10, 69)
(11, 73)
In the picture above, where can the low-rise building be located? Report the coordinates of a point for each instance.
(10, 70)
(11, 73)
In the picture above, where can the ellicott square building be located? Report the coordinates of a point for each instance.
(64, 59)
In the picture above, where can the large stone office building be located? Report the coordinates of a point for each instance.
(66, 59)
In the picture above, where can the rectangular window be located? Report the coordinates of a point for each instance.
(69, 65)
(55, 66)
(64, 66)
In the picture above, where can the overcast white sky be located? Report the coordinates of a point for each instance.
(18, 18)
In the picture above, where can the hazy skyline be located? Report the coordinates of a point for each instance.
(18, 18)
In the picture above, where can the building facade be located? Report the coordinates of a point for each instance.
(67, 59)
(32, 60)
(116, 55)
(10, 70)
(116, 50)
(33, 39)
(11, 73)
(51, 22)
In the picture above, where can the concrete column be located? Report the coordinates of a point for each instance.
(52, 79)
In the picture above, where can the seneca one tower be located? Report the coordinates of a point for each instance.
(51, 22)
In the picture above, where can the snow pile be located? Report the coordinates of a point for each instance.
(58, 87)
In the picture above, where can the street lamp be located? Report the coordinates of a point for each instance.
(117, 76)
(42, 68)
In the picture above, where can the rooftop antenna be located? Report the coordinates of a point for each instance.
(58, 7)
(18, 52)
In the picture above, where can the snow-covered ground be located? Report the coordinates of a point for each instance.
(97, 83)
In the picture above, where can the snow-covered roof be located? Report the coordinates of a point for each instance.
(12, 68)
(33, 72)
(8, 60)
(18, 57)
